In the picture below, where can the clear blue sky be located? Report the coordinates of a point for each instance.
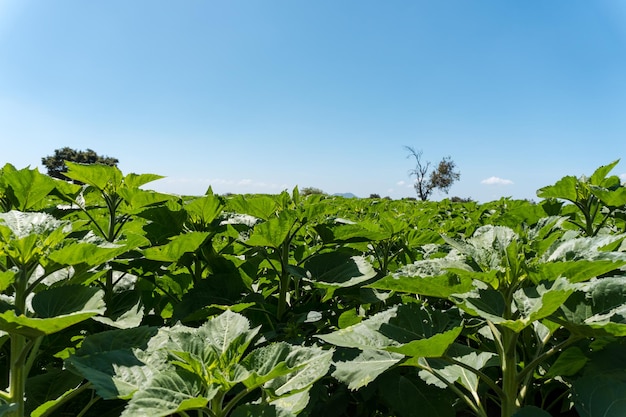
(262, 95)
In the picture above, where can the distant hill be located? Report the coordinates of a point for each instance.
(345, 195)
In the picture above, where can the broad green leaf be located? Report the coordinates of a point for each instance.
(228, 332)
(273, 232)
(195, 365)
(291, 405)
(309, 365)
(109, 361)
(99, 176)
(482, 301)
(536, 303)
(454, 373)
(47, 390)
(601, 172)
(569, 362)
(24, 224)
(6, 279)
(218, 345)
(124, 310)
(365, 368)
(394, 327)
(137, 180)
(70, 299)
(60, 308)
(348, 318)
(599, 306)
(335, 269)
(412, 398)
(87, 253)
(260, 206)
(487, 246)
(167, 393)
(364, 335)
(611, 198)
(433, 346)
(35, 327)
(585, 248)
(204, 209)
(29, 187)
(138, 200)
(533, 303)
(209, 297)
(600, 396)
(566, 188)
(177, 247)
(574, 271)
(360, 232)
(266, 363)
(119, 339)
(409, 281)
(163, 221)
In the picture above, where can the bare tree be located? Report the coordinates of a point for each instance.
(426, 181)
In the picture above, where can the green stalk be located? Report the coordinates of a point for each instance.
(235, 400)
(217, 403)
(70, 396)
(477, 408)
(510, 384)
(17, 379)
(284, 280)
(484, 377)
(17, 374)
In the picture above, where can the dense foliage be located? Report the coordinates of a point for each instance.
(56, 166)
(118, 301)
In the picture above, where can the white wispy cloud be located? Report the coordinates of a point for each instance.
(404, 184)
(496, 181)
(623, 176)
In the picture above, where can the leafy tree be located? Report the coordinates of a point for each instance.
(311, 190)
(57, 167)
(427, 180)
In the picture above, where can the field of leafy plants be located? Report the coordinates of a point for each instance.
(118, 301)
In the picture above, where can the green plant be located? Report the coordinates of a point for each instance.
(56, 164)
(211, 370)
(35, 252)
(517, 296)
(598, 198)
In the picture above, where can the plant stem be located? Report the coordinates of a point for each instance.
(233, 402)
(17, 384)
(484, 377)
(284, 280)
(526, 373)
(476, 408)
(70, 396)
(510, 384)
(17, 374)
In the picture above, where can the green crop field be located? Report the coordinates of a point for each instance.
(118, 301)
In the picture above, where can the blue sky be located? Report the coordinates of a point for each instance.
(261, 95)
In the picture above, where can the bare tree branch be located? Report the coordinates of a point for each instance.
(442, 178)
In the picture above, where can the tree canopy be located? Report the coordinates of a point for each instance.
(427, 180)
(55, 164)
